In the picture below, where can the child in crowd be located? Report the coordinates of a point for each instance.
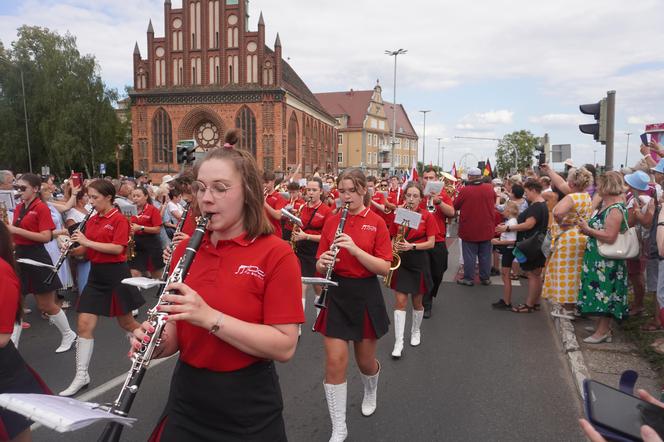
(505, 245)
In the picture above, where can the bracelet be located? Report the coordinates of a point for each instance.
(660, 224)
(217, 325)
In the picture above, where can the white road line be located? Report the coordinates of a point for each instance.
(107, 386)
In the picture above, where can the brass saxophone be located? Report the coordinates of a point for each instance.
(396, 257)
(296, 228)
(131, 244)
(4, 217)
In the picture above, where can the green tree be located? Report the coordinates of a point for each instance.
(71, 119)
(522, 143)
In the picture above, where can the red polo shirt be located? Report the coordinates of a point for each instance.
(261, 285)
(111, 228)
(37, 219)
(320, 212)
(277, 202)
(476, 204)
(369, 233)
(438, 215)
(297, 204)
(379, 198)
(149, 217)
(10, 290)
(189, 223)
(425, 229)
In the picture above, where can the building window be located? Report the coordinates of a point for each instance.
(233, 69)
(340, 139)
(178, 71)
(231, 2)
(268, 73)
(213, 24)
(195, 24)
(246, 122)
(214, 70)
(196, 71)
(207, 135)
(162, 139)
(252, 68)
(340, 157)
(292, 139)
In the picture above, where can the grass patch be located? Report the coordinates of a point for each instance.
(642, 340)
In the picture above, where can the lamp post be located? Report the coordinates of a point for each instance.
(424, 137)
(394, 54)
(25, 110)
(627, 149)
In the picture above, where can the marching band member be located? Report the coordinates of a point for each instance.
(378, 199)
(146, 226)
(414, 275)
(331, 195)
(15, 375)
(104, 243)
(225, 386)
(395, 198)
(73, 218)
(294, 205)
(31, 229)
(313, 215)
(355, 309)
(443, 209)
(274, 202)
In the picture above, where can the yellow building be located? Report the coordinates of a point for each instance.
(365, 131)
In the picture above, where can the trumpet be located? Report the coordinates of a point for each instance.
(430, 206)
(320, 302)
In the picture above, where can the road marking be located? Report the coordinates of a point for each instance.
(107, 386)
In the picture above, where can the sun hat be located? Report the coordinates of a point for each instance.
(659, 168)
(638, 180)
(474, 171)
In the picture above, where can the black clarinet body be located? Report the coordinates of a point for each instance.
(67, 251)
(142, 358)
(178, 229)
(320, 302)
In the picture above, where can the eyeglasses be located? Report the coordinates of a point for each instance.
(21, 188)
(412, 196)
(217, 188)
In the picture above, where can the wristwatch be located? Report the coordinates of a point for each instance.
(414, 247)
(217, 324)
(142, 228)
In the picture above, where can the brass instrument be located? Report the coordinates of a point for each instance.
(396, 254)
(4, 217)
(430, 206)
(296, 228)
(131, 244)
(320, 302)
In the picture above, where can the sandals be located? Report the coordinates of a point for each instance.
(523, 308)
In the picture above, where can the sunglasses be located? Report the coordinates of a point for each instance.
(21, 188)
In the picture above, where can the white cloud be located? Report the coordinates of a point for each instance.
(485, 120)
(558, 120)
(641, 119)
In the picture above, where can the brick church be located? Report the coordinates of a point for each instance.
(210, 73)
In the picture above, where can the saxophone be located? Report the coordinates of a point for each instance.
(142, 358)
(131, 244)
(4, 217)
(296, 228)
(320, 302)
(396, 257)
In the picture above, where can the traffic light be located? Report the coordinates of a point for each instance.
(597, 110)
(541, 156)
(182, 154)
(189, 156)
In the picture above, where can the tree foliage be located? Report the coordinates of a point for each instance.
(71, 120)
(522, 142)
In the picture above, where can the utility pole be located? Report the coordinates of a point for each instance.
(627, 149)
(439, 164)
(394, 54)
(424, 137)
(610, 127)
(25, 109)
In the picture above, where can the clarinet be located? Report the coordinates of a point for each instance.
(65, 253)
(171, 247)
(320, 302)
(142, 358)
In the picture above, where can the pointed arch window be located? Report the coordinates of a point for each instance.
(246, 122)
(292, 140)
(162, 138)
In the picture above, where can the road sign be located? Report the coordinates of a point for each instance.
(560, 152)
(102, 168)
(46, 171)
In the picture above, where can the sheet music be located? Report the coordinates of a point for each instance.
(142, 282)
(318, 281)
(32, 262)
(433, 186)
(7, 197)
(407, 217)
(61, 414)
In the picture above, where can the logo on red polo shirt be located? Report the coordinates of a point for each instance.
(369, 228)
(109, 227)
(251, 271)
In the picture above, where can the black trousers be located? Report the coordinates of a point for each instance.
(438, 260)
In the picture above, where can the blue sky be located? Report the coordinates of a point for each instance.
(484, 68)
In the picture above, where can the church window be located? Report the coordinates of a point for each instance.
(268, 73)
(207, 135)
(178, 71)
(252, 68)
(233, 69)
(162, 138)
(213, 24)
(214, 70)
(195, 24)
(292, 140)
(246, 122)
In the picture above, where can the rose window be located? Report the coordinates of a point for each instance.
(207, 135)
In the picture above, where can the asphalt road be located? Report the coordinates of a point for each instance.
(479, 375)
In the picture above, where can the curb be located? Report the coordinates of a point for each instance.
(571, 347)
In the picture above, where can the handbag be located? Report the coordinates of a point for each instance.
(626, 245)
(531, 247)
(547, 244)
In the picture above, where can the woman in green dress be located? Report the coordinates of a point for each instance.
(603, 291)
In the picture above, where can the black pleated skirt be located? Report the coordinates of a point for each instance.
(241, 405)
(306, 253)
(347, 307)
(33, 277)
(105, 294)
(148, 253)
(414, 275)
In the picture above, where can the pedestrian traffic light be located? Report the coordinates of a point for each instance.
(541, 155)
(182, 154)
(190, 158)
(597, 110)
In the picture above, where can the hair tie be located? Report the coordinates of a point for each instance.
(228, 146)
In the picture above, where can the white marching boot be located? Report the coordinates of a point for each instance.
(83, 355)
(16, 334)
(415, 335)
(370, 392)
(68, 336)
(336, 404)
(399, 327)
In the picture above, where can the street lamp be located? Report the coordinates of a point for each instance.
(25, 109)
(394, 104)
(627, 149)
(441, 166)
(424, 137)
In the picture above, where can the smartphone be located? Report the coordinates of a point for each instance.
(644, 139)
(76, 179)
(620, 412)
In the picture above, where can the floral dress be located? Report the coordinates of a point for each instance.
(603, 287)
(563, 269)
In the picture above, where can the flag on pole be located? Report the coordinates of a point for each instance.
(412, 176)
(453, 172)
(487, 168)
